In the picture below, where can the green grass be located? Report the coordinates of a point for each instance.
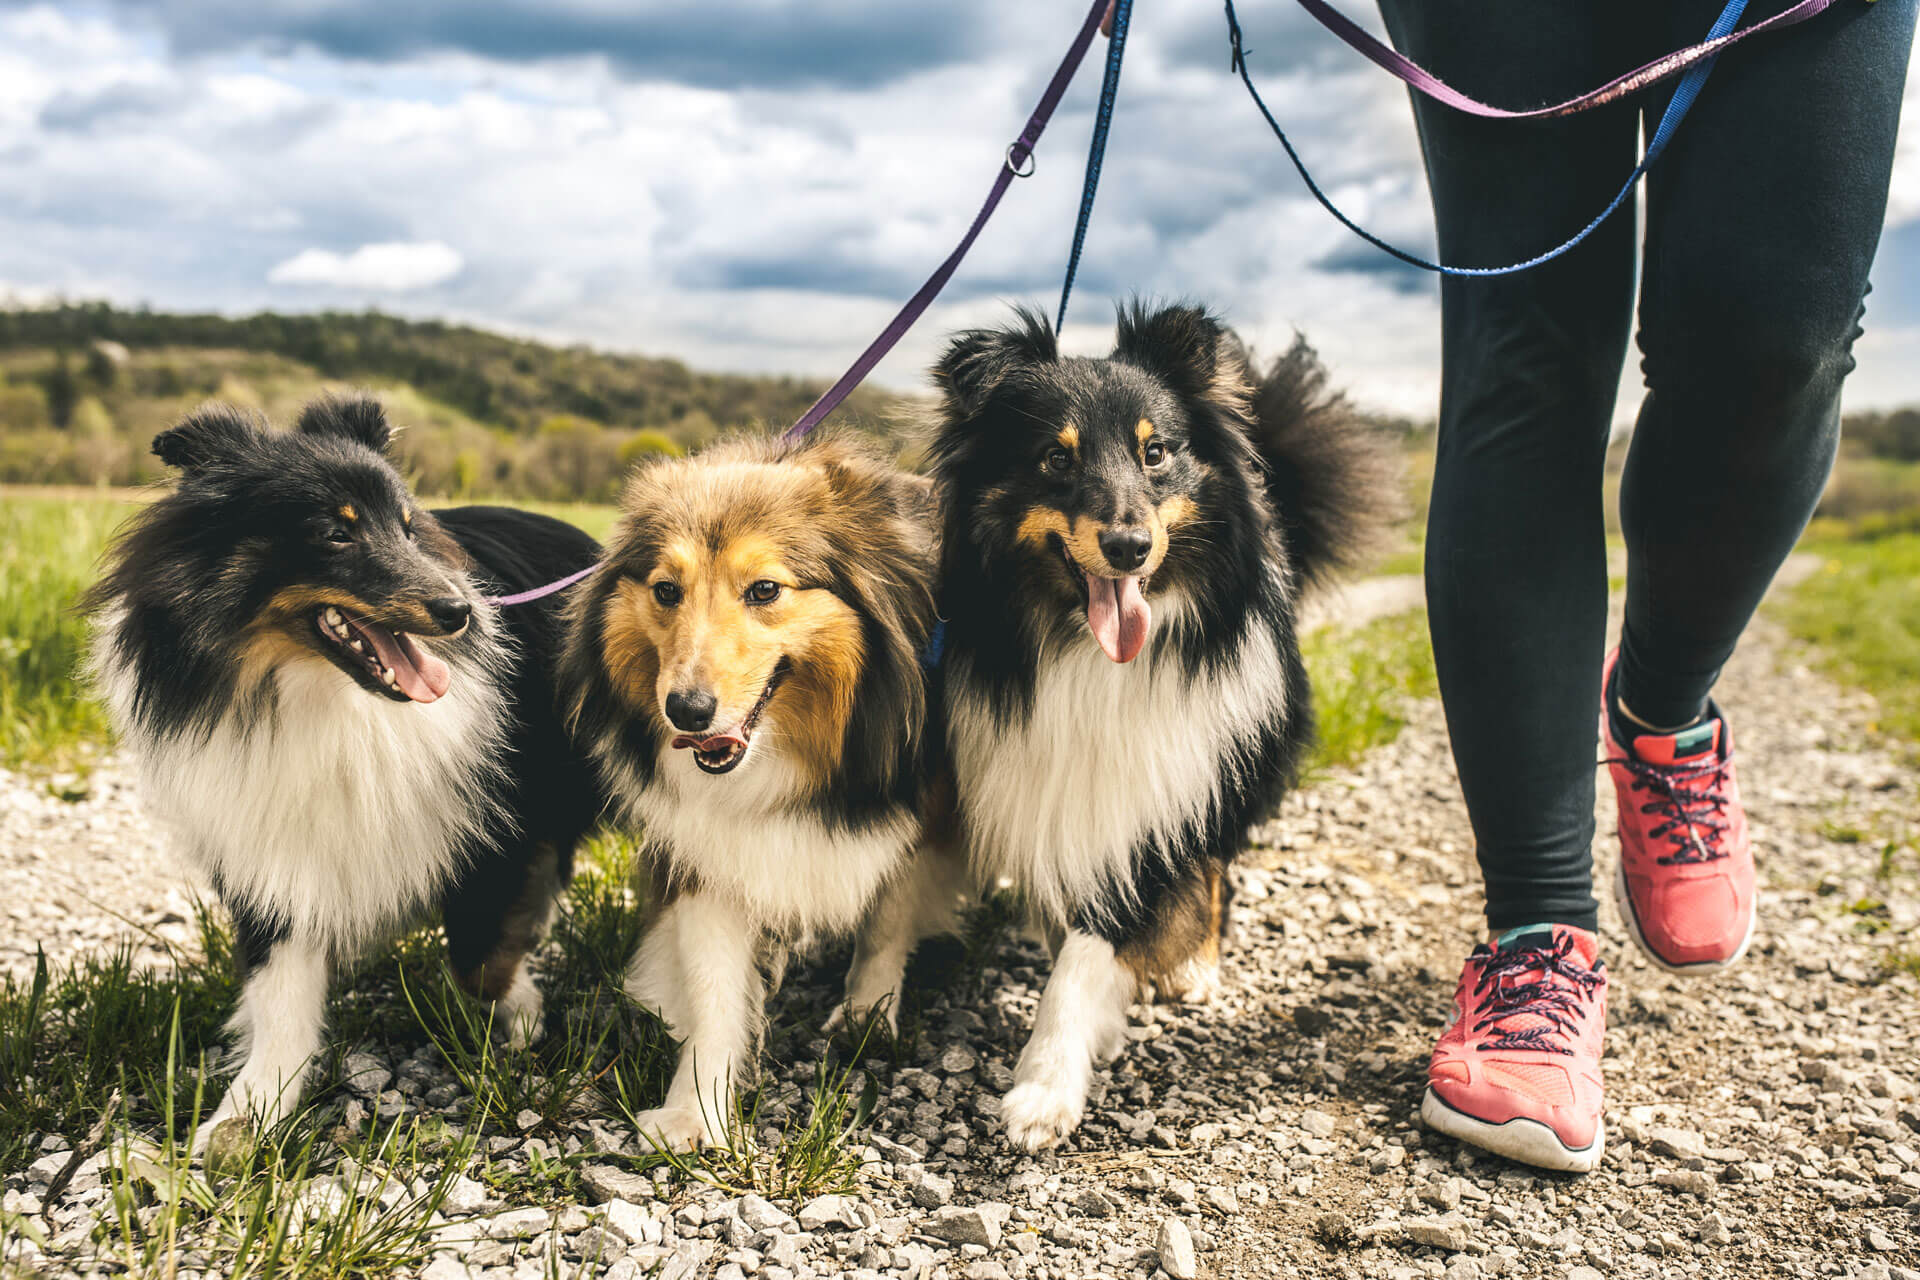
(103, 1044)
(594, 517)
(1862, 608)
(48, 551)
(1362, 681)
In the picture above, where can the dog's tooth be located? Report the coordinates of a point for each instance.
(356, 646)
(333, 617)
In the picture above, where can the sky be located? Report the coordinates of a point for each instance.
(744, 184)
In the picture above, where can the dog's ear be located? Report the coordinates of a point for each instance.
(207, 435)
(978, 362)
(1183, 346)
(358, 418)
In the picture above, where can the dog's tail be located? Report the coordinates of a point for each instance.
(1333, 478)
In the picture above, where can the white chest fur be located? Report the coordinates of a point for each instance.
(339, 814)
(750, 842)
(1110, 755)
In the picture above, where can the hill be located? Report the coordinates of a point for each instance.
(84, 386)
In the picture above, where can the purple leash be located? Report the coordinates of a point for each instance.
(1015, 165)
(1664, 68)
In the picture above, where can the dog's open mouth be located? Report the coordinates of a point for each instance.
(1117, 610)
(723, 752)
(391, 660)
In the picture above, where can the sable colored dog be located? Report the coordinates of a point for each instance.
(333, 725)
(1124, 543)
(746, 670)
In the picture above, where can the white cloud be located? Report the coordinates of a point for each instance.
(770, 228)
(1903, 201)
(383, 268)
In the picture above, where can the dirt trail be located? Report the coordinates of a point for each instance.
(1763, 1122)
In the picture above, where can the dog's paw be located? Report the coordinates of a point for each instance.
(1195, 981)
(522, 1013)
(856, 1018)
(673, 1129)
(1038, 1115)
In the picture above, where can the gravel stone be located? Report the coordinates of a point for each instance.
(364, 1075)
(604, 1182)
(977, 1224)
(829, 1213)
(1175, 1249)
(515, 1224)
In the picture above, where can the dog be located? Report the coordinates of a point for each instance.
(1124, 544)
(334, 725)
(747, 670)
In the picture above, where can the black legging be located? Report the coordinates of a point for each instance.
(1762, 220)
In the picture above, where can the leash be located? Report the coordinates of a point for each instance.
(1018, 163)
(1653, 73)
(1096, 153)
(1698, 66)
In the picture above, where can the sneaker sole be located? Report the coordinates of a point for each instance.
(1698, 968)
(1527, 1141)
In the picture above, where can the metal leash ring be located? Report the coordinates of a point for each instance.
(1015, 169)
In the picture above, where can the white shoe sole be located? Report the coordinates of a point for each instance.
(1621, 900)
(1527, 1141)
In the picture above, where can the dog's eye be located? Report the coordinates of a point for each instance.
(1155, 453)
(1056, 461)
(765, 591)
(666, 593)
(339, 536)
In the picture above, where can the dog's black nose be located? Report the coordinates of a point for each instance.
(449, 613)
(691, 712)
(1126, 549)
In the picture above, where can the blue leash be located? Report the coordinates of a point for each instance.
(1102, 122)
(1683, 97)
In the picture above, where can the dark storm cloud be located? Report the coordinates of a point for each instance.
(729, 44)
(1361, 258)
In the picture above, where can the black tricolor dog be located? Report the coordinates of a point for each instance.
(1125, 542)
(333, 725)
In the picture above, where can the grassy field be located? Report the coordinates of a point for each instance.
(48, 550)
(1863, 610)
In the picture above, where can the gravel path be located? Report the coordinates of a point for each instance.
(1766, 1122)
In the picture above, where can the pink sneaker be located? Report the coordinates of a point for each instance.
(1518, 1071)
(1685, 885)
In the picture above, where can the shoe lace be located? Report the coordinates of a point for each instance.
(1553, 999)
(1693, 801)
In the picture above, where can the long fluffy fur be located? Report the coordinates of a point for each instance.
(793, 841)
(1112, 793)
(325, 812)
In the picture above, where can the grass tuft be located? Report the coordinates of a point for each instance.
(1362, 680)
(1863, 609)
(48, 551)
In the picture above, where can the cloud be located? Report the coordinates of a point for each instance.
(766, 215)
(720, 44)
(382, 268)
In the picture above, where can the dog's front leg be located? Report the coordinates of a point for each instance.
(918, 904)
(1081, 1023)
(697, 969)
(282, 1011)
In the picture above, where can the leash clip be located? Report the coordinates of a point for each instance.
(1015, 169)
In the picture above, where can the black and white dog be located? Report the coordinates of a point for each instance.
(1124, 544)
(333, 725)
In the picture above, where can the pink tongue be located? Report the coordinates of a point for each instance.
(708, 744)
(1119, 616)
(420, 675)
